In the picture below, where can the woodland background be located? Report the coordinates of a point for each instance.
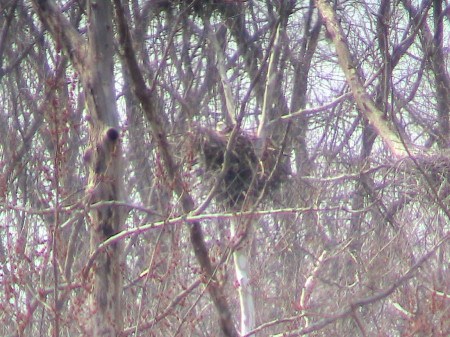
(105, 112)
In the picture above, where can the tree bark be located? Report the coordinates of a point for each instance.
(94, 63)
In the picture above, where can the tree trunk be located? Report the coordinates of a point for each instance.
(365, 104)
(243, 284)
(105, 171)
(94, 63)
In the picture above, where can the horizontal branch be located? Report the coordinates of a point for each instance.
(314, 110)
(196, 218)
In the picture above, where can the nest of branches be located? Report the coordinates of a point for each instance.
(246, 176)
(430, 170)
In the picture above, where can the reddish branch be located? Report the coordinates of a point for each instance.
(166, 312)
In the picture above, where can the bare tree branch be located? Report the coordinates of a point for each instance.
(365, 103)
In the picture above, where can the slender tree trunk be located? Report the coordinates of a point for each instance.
(147, 98)
(365, 103)
(243, 284)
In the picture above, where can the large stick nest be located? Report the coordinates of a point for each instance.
(246, 175)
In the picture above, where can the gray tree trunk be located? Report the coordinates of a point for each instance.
(94, 63)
